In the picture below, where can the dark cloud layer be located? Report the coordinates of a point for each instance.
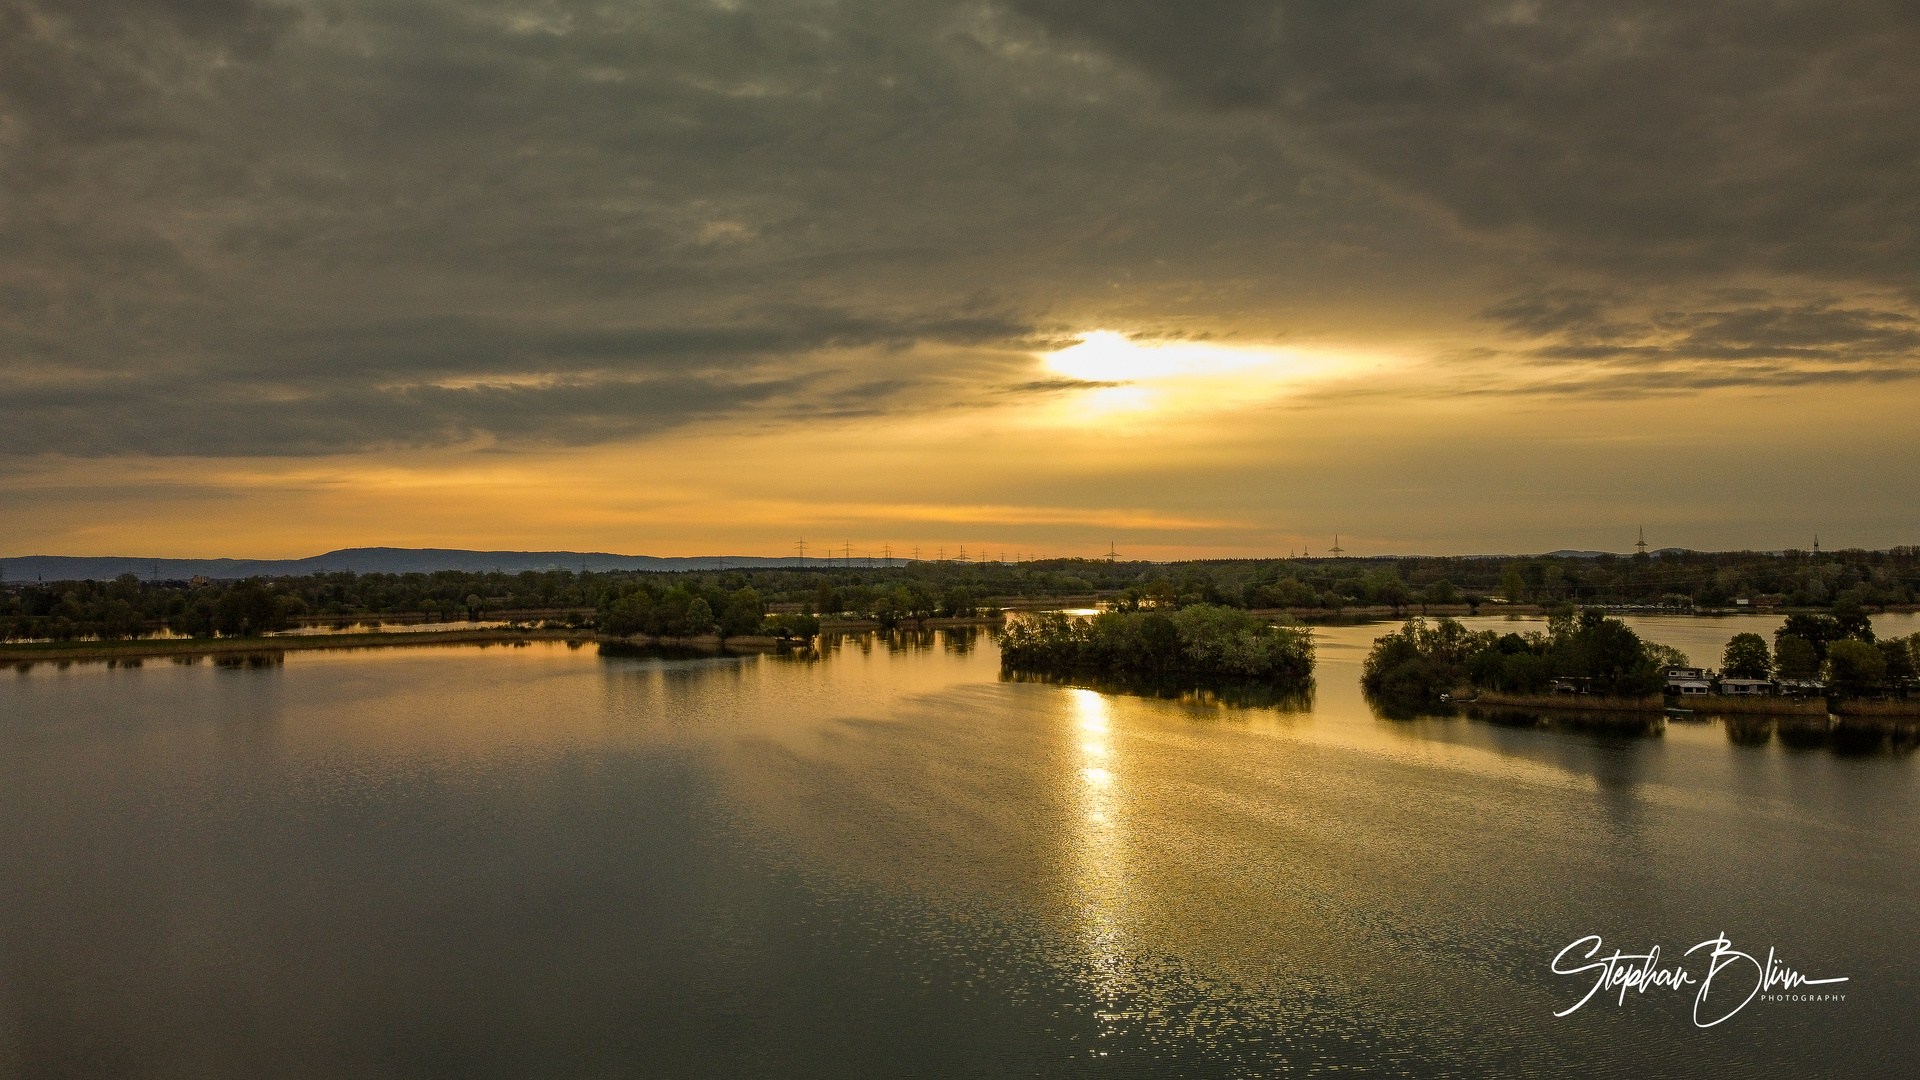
(129, 417)
(255, 226)
(1727, 135)
(1748, 341)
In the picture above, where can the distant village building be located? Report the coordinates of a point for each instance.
(200, 581)
(1802, 686)
(1687, 681)
(1746, 687)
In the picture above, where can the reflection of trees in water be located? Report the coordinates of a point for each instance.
(1239, 694)
(909, 641)
(1632, 724)
(956, 639)
(262, 659)
(1848, 737)
(1396, 707)
(1628, 724)
(1802, 734)
(629, 650)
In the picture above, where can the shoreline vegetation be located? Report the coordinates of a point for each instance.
(1823, 669)
(1591, 654)
(890, 591)
(1573, 702)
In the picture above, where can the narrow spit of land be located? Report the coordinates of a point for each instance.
(160, 648)
(27, 652)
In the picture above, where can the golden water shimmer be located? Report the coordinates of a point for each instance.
(884, 860)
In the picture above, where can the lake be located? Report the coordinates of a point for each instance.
(885, 861)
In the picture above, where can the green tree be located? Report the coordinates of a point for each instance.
(1513, 585)
(1851, 620)
(1818, 631)
(626, 616)
(746, 613)
(1746, 658)
(1898, 654)
(1442, 592)
(1794, 657)
(1855, 665)
(1420, 659)
(1604, 650)
(794, 626)
(1666, 656)
(670, 612)
(699, 617)
(826, 600)
(250, 608)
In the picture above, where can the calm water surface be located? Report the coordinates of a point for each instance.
(887, 862)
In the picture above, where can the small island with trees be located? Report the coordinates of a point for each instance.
(1599, 657)
(1202, 644)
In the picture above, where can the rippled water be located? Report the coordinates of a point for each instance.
(885, 861)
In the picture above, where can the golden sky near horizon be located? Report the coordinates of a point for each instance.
(681, 278)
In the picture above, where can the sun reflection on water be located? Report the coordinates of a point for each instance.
(1101, 874)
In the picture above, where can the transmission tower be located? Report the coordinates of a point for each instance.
(802, 545)
(1336, 550)
(1112, 554)
(1640, 546)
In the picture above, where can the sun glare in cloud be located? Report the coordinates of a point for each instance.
(1104, 356)
(1182, 376)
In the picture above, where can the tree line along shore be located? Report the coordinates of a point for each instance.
(130, 607)
(1589, 660)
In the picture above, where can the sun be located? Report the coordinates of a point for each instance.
(1142, 377)
(1107, 356)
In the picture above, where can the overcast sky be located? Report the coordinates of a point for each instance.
(1202, 278)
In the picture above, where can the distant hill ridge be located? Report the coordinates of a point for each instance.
(370, 560)
(392, 560)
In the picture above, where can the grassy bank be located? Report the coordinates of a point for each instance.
(1572, 702)
(1755, 705)
(1878, 708)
